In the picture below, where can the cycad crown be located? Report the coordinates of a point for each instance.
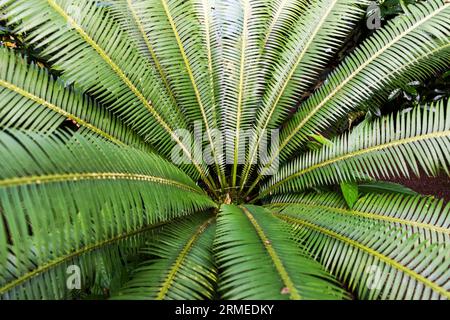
(101, 208)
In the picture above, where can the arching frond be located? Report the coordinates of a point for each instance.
(105, 64)
(249, 100)
(419, 69)
(194, 44)
(392, 146)
(425, 216)
(384, 56)
(260, 261)
(311, 43)
(130, 16)
(184, 58)
(182, 266)
(240, 38)
(378, 60)
(283, 15)
(60, 201)
(31, 99)
(373, 260)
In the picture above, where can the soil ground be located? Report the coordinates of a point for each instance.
(437, 186)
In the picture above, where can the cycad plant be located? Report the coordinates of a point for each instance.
(171, 149)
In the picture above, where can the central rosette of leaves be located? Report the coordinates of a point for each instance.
(226, 149)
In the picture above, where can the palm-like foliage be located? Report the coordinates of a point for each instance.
(103, 195)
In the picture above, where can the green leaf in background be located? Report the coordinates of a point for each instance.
(385, 187)
(350, 193)
(410, 89)
(321, 139)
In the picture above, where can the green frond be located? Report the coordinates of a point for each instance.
(181, 264)
(148, 21)
(425, 216)
(31, 99)
(183, 60)
(106, 92)
(260, 261)
(193, 40)
(130, 16)
(104, 64)
(60, 200)
(381, 58)
(375, 261)
(419, 69)
(240, 40)
(283, 15)
(391, 146)
(312, 42)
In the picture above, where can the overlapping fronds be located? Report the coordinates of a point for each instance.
(425, 216)
(194, 43)
(260, 261)
(413, 140)
(60, 200)
(204, 83)
(374, 261)
(283, 15)
(311, 43)
(31, 99)
(130, 15)
(105, 64)
(419, 69)
(240, 25)
(181, 264)
(380, 59)
(183, 60)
